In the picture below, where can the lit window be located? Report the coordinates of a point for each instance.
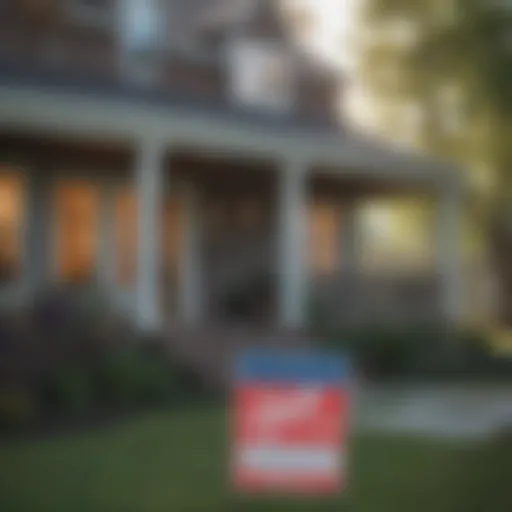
(11, 220)
(261, 75)
(324, 238)
(126, 236)
(76, 231)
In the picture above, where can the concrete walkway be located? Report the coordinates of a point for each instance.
(433, 410)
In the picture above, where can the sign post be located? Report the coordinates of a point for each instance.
(290, 422)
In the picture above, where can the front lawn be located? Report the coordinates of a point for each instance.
(175, 461)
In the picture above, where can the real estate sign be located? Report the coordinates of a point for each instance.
(290, 422)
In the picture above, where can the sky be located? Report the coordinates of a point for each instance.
(334, 41)
(336, 19)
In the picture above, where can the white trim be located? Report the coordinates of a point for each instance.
(320, 460)
(150, 193)
(240, 52)
(292, 254)
(190, 264)
(76, 115)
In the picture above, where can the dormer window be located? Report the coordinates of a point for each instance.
(141, 33)
(261, 75)
(141, 25)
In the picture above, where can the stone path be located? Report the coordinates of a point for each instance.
(441, 411)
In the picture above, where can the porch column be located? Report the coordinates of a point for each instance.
(149, 184)
(190, 292)
(37, 238)
(449, 240)
(106, 259)
(292, 244)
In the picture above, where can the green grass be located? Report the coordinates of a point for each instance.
(177, 462)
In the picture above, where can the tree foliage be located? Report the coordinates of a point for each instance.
(430, 46)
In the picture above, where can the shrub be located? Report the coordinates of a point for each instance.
(383, 351)
(18, 408)
(469, 354)
(68, 389)
(69, 357)
(422, 351)
(133, 375)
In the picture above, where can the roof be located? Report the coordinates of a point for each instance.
(220, 12)
(191, 17)
(69, 104)
(14, 74)
(187, 17)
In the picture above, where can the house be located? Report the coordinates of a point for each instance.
(176, 152)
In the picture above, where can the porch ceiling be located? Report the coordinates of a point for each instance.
(70, 153)
(353, 183)
(76, 114)
(219, 173)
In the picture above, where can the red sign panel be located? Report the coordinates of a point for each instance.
(289, 435)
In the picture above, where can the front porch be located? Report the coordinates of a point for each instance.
(185, 235)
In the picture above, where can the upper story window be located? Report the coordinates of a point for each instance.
(261, 75)
(99, 13)
(141, 31)
(141, 25)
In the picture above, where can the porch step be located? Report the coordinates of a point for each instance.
(210, 351)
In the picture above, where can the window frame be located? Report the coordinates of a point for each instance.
(272, 102)
(141, 64)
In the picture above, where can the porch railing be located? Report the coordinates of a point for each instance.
(377, 298)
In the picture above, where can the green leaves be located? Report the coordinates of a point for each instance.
(466, 44)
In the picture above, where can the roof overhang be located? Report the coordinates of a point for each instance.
(77, 114)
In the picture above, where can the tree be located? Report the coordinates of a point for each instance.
(450, 61)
